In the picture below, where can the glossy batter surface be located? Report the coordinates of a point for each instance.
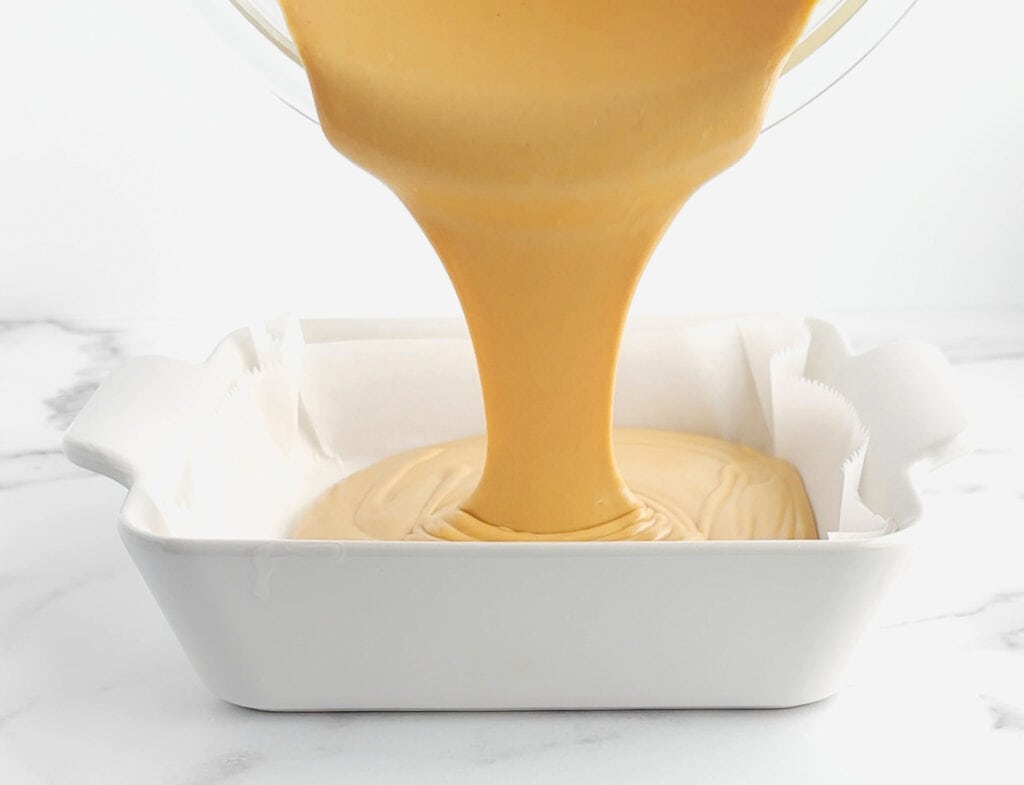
(692, 487)
(544, 146)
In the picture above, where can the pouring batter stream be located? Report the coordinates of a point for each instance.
(544, 147)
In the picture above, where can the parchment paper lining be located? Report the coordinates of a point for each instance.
(301, 416)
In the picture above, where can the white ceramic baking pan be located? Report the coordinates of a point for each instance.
(286, 625)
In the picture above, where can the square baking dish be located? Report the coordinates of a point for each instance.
(281, 625)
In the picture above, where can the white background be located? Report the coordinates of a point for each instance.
(144, 172)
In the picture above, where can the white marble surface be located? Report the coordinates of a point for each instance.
(94, 688)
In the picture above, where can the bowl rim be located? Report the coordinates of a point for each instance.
(852, 29)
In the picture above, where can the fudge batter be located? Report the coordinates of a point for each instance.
(544, 147)
(691, 488)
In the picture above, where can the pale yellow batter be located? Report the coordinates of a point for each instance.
(544, 146)
(692, 487)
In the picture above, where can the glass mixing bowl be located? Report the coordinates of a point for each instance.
(256, 30)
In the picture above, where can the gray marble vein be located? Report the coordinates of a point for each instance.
(18, 615)
(9, 715)
(514, 751)
(225, 767)
(1004, 716)
(102, 354)
(28, 467)
(1000, 598)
